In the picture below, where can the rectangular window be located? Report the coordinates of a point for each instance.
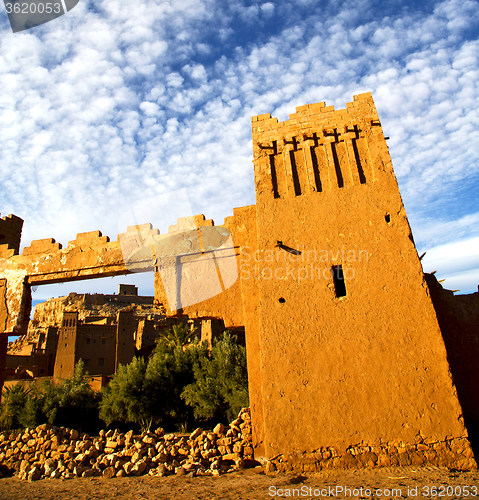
(85, 362)
(101, 362)
(338, 278)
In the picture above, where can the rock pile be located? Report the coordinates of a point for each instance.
(53, 452)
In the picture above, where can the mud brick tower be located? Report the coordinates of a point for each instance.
(350, 359)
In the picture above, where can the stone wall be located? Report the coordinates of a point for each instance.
(52, 452)
(452, 453)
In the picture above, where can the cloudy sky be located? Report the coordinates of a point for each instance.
(122, 104)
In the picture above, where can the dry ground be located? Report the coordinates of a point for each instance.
(253, 484)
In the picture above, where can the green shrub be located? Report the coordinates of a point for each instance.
(220, 388)
(126, 397)
(70, 403)
(12, 409)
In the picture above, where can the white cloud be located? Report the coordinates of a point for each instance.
(103, 105)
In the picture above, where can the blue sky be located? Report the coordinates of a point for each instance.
(119, 104)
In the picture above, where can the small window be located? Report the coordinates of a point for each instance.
(65, 345)
(338, 278)
(101, 362)
(85, 362)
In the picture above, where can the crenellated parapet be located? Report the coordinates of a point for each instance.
(90, 255)
(318, 149)
(46, 245)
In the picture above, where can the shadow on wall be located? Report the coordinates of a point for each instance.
(458, 317)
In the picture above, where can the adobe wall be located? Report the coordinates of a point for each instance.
(343, 375)
(95, 343)
(89, 256)
(210, 272)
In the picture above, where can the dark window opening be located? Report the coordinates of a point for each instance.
(388, 218)
(101, 361)
(338, 278)
(282, 300)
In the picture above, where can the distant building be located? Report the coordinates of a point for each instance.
(128, 290)
(102, 347)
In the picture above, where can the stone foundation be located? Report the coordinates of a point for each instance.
(453, 453)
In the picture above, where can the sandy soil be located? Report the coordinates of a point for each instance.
(253, 484)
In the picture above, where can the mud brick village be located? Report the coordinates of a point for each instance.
(356, 357)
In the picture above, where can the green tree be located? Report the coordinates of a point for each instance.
(220, 388)
(178, 335)
(170, 369)
(127, 398)
(71, 402)
(147, 393)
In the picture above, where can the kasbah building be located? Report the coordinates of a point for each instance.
(354, 353)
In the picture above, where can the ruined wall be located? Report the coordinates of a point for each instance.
(89, 256)
(10, 234)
